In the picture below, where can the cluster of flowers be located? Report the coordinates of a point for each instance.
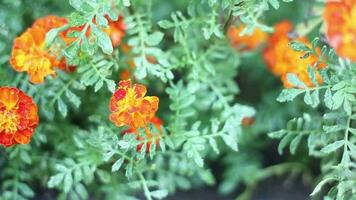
(30, 53)
(129, 105)
(18, 112)
(281, 59)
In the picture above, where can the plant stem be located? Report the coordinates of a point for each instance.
(144, 185)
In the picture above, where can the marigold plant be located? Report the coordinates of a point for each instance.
(154, 99)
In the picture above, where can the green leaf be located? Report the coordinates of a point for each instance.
(101, 21)
(213, 144)
(104, 41)
(99, 84)
(165, 24)
(286, 139)
(230, 141)
(62, 107)
(295, 81)
(333, 146)
(51, 36)
(299, 46)
(55, 180)
(328, 99)
(154, 38)
(320, 185)
(117, 165)
(338, 99)
(274, 3)
(159, 194)
(68, 182)
(277, 134)
(288, 94)
(294, 144)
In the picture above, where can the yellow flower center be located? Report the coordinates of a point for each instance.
(8, 121)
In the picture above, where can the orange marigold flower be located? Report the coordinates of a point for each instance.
(18, 117)
(245, 42)
(281, 59)
(49, 22)
(247, 121)
(339, 17)
(29, 53)
(149, 135)
(116, 30)
(130, 107)
(125, 74)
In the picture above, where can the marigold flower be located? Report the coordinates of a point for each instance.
(281, 59)
(247, 121)
(116, 30)
(29, 53)
(130, 107)
(339, 17)
(245, 42)
(18, 117)
(149, 135)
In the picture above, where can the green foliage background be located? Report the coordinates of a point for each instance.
(205, 87)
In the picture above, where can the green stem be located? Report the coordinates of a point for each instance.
(346, 141)
(144, 185)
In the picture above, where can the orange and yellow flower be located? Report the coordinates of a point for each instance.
(116, 30)
(18, 117)
(149, 135)
(246, 42)
(130, 107)
(281, 59)
(339, 17)
(29, 52)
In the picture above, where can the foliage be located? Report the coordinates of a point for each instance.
(206, 89)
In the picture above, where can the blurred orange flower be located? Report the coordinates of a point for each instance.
(29, 53)
(116, 30)
(281, 59)
(130, 107)
(128, 72)
(246, 42)
(157, 123)
(339, 17)
(18, 117)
